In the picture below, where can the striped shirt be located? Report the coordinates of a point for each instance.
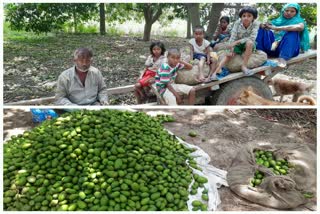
(165, 75)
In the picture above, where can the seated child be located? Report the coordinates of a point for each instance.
(200, 49)
(222, 33)
(242, 40)
(166, 75)
(152, 64)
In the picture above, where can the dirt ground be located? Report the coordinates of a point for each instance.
(32, 66)
(220, 133)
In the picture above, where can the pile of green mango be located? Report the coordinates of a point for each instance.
(267, 159)
(197, 204)
(97, 160)
(162, 118)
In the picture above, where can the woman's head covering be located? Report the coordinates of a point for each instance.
(282, 21)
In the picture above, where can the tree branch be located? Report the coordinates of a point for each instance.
(156, 16)
(146, 11)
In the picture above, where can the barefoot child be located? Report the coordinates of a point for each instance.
(166, 75)
(152, 64)
(200, 49)
(242, 40)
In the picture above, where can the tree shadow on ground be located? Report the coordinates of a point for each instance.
(16, 121)
(222, 133)
(31, 68)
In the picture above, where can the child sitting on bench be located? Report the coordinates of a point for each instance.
(200, 50)
(152, 64)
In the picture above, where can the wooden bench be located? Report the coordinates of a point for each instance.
(50, 100)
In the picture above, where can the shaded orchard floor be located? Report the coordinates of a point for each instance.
(32, 65)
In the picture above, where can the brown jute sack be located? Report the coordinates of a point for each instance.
(256, 59)
(277, 191)
(188, 77)
(184, 76)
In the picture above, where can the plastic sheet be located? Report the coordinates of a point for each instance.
(216, 178)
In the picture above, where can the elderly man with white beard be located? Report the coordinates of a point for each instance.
(81, 84)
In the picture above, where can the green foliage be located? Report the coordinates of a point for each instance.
(205, 13)
(272, 11)
(81, 28)
(309, 12)
(114, 31)
(80, 13)
(122, 12)
(180, 11)
(170, 15)
(88, 29)
(47, 17)
(33, 17)
(24, 36)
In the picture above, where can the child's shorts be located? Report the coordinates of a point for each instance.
(198, 56)
(148, 74)
(241, 48)
(169, 97)
(212, 55)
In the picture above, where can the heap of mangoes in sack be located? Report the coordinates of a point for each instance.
(104, 160)
(267, 159)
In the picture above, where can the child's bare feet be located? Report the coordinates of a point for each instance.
(200, 80)
(207, 80)
(213, 77)
(246, 71)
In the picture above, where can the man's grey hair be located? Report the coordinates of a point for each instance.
(82, 53)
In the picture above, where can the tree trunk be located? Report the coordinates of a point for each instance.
(193, 10)
(189, 35)
(147, 31)
(151, 15)
(74, 20)
(102, 19)
(214, 17)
